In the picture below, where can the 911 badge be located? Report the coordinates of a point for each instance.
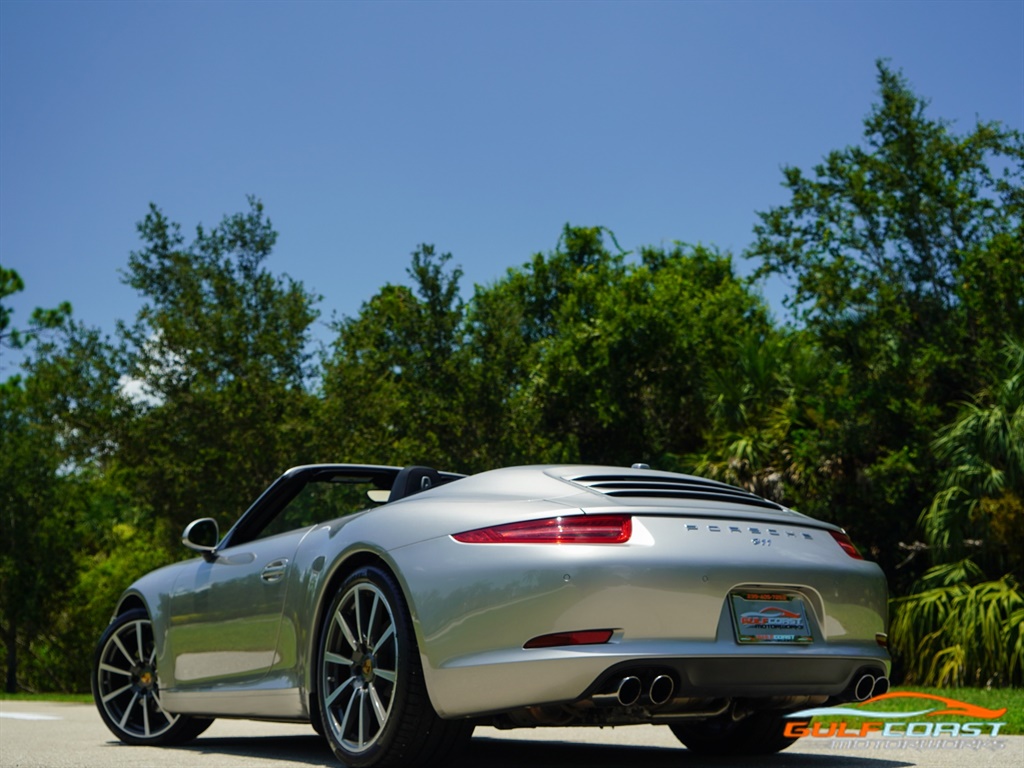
(768, 617)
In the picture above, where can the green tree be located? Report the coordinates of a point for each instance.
(394, 383)
(766, 412)
(219, 355)
(43, 435)
(512, 325)
(34, 531)
(959, 626)
(67, 416)
(979, 509)
(108, 448)
(40, 320)
(579, 355)
(586, 355)
(76, 381)
(904, 257)
(918, 229)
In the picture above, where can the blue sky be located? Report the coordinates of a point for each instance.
(480, 127)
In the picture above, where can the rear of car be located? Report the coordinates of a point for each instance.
(637, 596)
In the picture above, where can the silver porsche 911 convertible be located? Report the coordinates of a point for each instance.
(395, 609)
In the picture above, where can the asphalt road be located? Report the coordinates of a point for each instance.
(51, 735)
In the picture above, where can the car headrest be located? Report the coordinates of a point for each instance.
(413, 480)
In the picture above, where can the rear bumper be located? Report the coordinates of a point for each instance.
(666, 596)
(507, 681)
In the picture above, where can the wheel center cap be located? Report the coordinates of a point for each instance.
(367, 667)
(146, 679)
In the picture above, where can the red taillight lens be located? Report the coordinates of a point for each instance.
(844, 541)
(577, 529)
(585, 637)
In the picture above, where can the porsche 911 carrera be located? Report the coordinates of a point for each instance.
(394, 609)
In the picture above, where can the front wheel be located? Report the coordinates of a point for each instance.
(371, 695)
(125, 688)
(759, 734)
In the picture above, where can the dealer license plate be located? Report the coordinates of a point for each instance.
(769, 617)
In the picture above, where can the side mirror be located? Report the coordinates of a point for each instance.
(202, 536)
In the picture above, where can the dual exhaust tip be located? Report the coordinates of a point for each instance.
(631, 690)
(868, 685)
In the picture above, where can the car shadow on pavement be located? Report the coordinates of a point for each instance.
(500, 753)
(508, 753)
(300, 750)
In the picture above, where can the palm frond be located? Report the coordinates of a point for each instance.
(959, 633)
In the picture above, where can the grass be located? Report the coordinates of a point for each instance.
(990, 698)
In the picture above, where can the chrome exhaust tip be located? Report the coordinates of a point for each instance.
(864, 688)
(881, 686)
(661, 690)
(629, 691)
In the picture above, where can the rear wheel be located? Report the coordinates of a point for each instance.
(758, 734)
(372, 698)
(125, 686)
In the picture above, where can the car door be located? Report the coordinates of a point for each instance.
(227, 614)
(225, 633)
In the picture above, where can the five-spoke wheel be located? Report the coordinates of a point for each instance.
(125, 686)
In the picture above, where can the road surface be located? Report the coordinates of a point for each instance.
(55, 735)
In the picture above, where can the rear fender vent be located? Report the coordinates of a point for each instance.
(671, 487)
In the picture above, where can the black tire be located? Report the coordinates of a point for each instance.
(125, 686)
(758, 734)
(371, 694)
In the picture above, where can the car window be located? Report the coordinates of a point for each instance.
(318, 501)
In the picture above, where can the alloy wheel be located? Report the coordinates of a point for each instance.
(126, 679)
(360, 667)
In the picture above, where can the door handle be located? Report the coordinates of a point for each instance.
(274, 570)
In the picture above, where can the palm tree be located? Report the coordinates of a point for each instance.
(765, 419)
(979, 508)
(958, 626)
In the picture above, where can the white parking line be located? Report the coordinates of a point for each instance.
(27, 716)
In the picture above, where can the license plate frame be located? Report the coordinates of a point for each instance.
(770, 618)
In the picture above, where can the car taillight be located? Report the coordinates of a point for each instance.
(576, 529)
(844, 541)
